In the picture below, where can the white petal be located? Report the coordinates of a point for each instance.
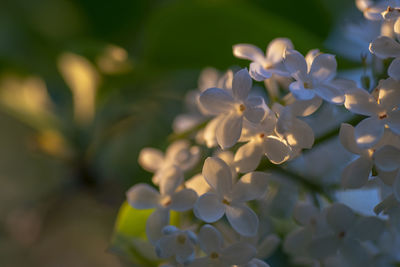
(242, 219)
(384, 47)
(208, 78)
(248, 51)
(298, 90)
(198, 184)
(209, 208)
(155, 223)
(368, 132)
(368, 228)
(182, 154)
(228, 132)
(210, 239)
(323, 67)
(393, 121)
(251, 186)
(354, 253)
(248, 157)
(238, 253)
(389, 95)
(257, 263)
(258, 72)
(387, 158)
(330, 93)
(176, 148)
(323, 247)
(201, 262)
(277, 48)
(255, 109)
(310, 56)
(183, 200)
(218, 175)
(305, 108)
(172, 178)
(151, 159)
(340, 217)
(211, 129)
(396, 186)
(347, 138)
(295, 63)
(276, 150)
(304, 213)
(361, 102)
(300, 134)
(394, 69)
(296, 240)
(216, 101)
(241, 84)
(356, 174)
(143, 196)
(166, 247)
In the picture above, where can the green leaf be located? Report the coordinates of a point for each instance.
(199, 33)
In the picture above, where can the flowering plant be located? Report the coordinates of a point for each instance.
(237, 183)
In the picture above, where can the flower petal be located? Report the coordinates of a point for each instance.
(393, 121)
(258, 72)
(304, 213)
(340, 217)
(248, 51)
(151, 159)
(276, 49)
(298, 90)
(143, 196)
(296, 241)
(218, 175)
(394, 69)
(323, 247)
(248, 157)
(241, 84)
(295, 63)
(238, 253)
(305, 108)
(183, 200)
(210, 239)
(387, 158)
(209, 208)
(368, 228)
(251, 186)
(198, 184)
(389, 95)
(276, 150)
(155, 223)
(255, 109)
(228, 132)
(172, 178)
(216, 101)
(347, 138)
(330, 93)
(323, 67)
(356, 174)
(384, 47)
(242, 219)
(361, 102)
(368, 132)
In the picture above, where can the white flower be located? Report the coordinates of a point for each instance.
(178, 243)
(383, 111)
(375, 10)
(179, 154)
(385, 47)
(263, 66)
(228, 198)
(261, 140)
(143, 196)
(233, 107)
(345, 235)
(211, 242)
(313, 75)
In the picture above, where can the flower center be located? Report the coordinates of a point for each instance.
(226, 202)
(181, 239)
(341, 234)
(165, 202)
(242, 108)
(382, 116)
(307, 85)
(214, 255)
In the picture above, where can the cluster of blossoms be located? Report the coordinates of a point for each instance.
(246, 143)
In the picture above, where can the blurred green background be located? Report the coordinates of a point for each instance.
(64, 169)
